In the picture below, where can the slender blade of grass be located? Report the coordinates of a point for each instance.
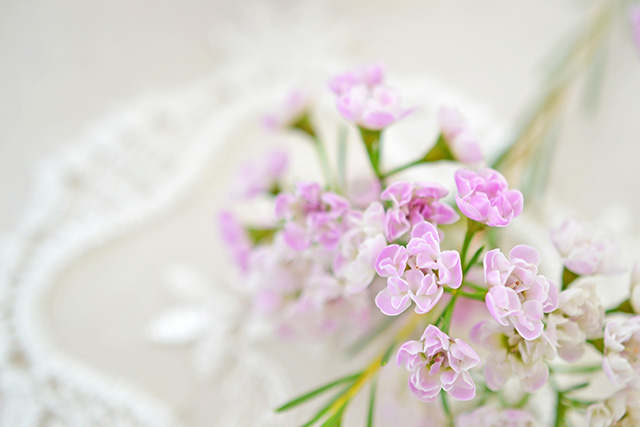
(372, 402)
(301, 399)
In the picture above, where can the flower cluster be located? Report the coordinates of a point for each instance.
(580, 316)
(622, 351)
(417, 272)
(414, 203)
(363, 98)
(437, 362)
(508, 353)
(485, 197)
(460, 139)
(583, 253)
(517, 295)
(329, 255)
(490, 416)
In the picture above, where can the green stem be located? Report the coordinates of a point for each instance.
(446, 408)
(448, 312)
(475, 287)
(304, 124)
(372, 142)
(402, 168)
(440, 151)
(472, 228)
(469, 295)
(575, 370)
(323, 157)
(560, 410)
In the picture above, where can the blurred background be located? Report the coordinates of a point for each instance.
(66, 64)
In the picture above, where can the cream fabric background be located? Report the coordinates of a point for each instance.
(66, 63)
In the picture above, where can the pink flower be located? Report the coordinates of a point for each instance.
(255, 178)
(429, 270)
(635, 23)
(437, 362)
(368, 75)
(289, 112)
(414, 203)
(297, 293)
(236, 239)
(485, 197)
(509, 354)
(584, 253)
(363, 99)
(462, 142)
(517, 294)
(311, 215)
(490, 416)
(622, 351)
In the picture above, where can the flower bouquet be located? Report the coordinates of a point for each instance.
(419, 273)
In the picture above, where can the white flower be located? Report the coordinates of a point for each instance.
(622, 410)
(360, 246)
(580, 316)
(510, 354)
(622, 351)
(583, 253)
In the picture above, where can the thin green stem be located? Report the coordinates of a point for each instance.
(372, 402)
(323, 157)
(575, 369)
(446, 408)
(465, 245)
(372, 140)
(402, 168)
(478, 288)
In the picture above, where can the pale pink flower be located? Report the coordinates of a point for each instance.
(517, 295)
(490, 416)
(368, 75)
(292, 109)
(580, 316)
(622, 351)
(257, 177)
(413, 203)
(635, 25)
(584, 253)
(462, 142)
(484, 197)
(509, 354)
(297, 294)
(429, 270)
(360, 246)
(311, 215)
(363, 99)
(236, 238)
(372, 108)
(437, 362)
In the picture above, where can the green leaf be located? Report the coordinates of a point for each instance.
(372, 402)
(387, 354)
(473, 259)
(362, 343)
(299, 400)
(326, 408)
